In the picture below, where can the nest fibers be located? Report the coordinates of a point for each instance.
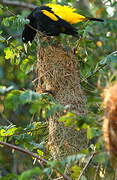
(110, 119)
(58, 73)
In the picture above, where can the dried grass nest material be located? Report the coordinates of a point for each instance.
(58, 72)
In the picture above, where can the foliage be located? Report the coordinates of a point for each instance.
(24, 113)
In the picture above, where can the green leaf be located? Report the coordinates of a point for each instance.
(86, 31)
(16, 21)
(12, 100)
(4, 89)
(47, 171)
(53, 164)
(75, 171)
(100, 158)
(1, 6)
(2, 132)
(29, 96)
(20, 20)
(8, 21)
(2, 39)
(8, 132)
(9, 176)
(9, 53)
(26, 97)
(40, 153)
(39, 146)
(92, 132)
(30, 173)
(111, 58)
(69, 119)
(53, 109)
(83, 178)
(74, 158)
(26, 65)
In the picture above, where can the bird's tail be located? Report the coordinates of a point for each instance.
(95, 19)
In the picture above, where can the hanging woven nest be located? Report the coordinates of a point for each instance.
(58, 73)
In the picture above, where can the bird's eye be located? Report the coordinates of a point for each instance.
(23, 38)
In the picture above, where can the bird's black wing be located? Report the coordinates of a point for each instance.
(50, 27)
(44, 23)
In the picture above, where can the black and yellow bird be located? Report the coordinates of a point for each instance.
(53, 19)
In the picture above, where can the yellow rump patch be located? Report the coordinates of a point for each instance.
(67, 13)
(50, 15)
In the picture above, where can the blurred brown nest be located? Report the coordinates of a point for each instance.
(110, 119)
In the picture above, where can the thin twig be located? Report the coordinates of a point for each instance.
(58, 178)
(64, 175)
(32, 155)
(93, 73)
(99, 68)
(19, 4)
(96, 174)
(17, 148)
(82, 172)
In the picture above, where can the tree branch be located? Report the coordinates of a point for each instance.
(19, 3)
(86, 166)
(17, 148)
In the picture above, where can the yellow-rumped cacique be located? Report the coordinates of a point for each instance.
(53, 19)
